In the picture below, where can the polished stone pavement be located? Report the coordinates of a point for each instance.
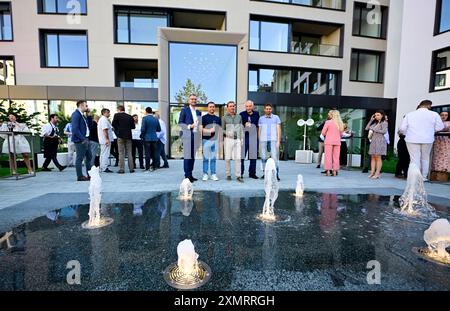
(20, 200)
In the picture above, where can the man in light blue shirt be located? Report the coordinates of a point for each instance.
(269, 137)
(70, 144)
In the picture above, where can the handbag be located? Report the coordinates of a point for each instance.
(370, 135)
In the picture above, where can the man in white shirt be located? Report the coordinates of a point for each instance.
(105, 138)
(51, 138)
(70, 144)
(419, 128)
(137, 143)
(162, 141)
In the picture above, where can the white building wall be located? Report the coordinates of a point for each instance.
(417, 45)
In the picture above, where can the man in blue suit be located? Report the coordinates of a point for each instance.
(189, 123)
(149, 127)
(80, 136)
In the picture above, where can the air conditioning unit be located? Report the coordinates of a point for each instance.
(304, 156)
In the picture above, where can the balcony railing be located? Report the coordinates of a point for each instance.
(141, 83)
(324, 4)
(309, 48)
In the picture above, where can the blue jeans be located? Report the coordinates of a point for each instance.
(83, 151)
(209, 155)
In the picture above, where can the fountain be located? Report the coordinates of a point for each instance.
(300, 188)
(186, 190)
(414, 201)
(271, 188)
(437, 237)
(188, 272)
(95, 188)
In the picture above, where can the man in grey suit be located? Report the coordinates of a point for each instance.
(150, 125)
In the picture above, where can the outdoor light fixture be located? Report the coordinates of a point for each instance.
(300, 123)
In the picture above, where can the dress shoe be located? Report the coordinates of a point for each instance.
(278, 178)
(228, 177)
(195, 179)
(318, 166)
(83, 178)
(262, 177)
(142, 167)
(46, 169)
(165, 166)
(254, 177)
(191, 179)
(132, 171)
(239, 179)
(62, 168)
(120, 172)
(108, 171)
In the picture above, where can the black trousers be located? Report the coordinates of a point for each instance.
(150, 154)
(343, 154)
(139, 146)
(55, 161)
(115, 150)
(161, 153)
(403, 159)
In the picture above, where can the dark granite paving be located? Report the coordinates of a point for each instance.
(322, 242)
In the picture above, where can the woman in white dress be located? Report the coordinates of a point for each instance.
(21, 143)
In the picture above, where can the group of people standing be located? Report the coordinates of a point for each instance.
(241, 136)
(92, 139)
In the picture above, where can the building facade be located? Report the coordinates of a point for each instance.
(303, 56)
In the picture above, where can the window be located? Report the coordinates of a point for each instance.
(442, 16)
(366, 66)
(440, 79)
(64, 49)
(7, 76)
(209, 69)
(136, 73)
(369, 20)
(269, 36)
(293, 81)
(5, 22)
(138, 26)
(62, 6)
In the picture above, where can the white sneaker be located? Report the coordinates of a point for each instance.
(205, 177)
(214, 177)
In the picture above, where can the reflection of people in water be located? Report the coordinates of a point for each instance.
(328, 211)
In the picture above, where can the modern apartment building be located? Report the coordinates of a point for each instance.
(303, 56)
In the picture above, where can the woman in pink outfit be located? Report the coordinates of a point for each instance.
(332, 131)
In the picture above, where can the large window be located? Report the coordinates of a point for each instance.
(138, 26)
(5, 22)
(7, 76)
(269, 36)
(62, 6)
(64, 49)
(442, 16)
(136, 73)
(295, 81)
(440, 79)
(369, 20)
(366, 66)
(205, 69)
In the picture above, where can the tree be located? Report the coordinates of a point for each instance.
(7, 108)
(189, 88)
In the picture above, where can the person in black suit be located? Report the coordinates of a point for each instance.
(401, 170)
(123, 123)
(189, 122)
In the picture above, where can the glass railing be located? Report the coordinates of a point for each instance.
(141, 83)
(309, 48)
(325, 4)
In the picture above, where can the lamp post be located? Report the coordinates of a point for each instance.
(300, 123)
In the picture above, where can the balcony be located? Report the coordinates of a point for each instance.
(311, 48)
(322, 4)
(137, 73)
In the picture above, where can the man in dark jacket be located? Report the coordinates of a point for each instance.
(149, 127)
(189, 122)
(123, 123)
(401, 170)
(80, 136)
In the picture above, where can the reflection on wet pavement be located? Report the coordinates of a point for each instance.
(322, 242)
